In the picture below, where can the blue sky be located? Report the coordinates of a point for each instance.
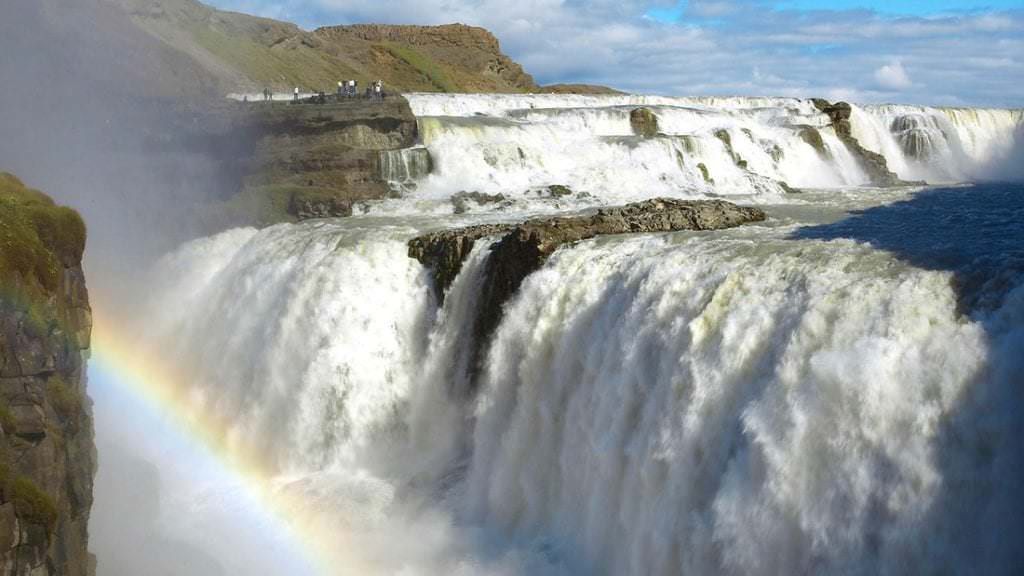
(944, 52)
(891, 7)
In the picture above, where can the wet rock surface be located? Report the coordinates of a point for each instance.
(462, 201)
(644, 122)
(521, 249)
(872, 163)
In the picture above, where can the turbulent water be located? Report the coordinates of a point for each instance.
(834, 391)
(705, 146)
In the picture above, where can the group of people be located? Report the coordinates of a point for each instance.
(346, 89)
(350, 89)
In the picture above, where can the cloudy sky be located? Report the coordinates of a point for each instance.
(945, 52)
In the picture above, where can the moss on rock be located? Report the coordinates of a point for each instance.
(36, 238)
(31, 504)
(705, 173)
(65, 400)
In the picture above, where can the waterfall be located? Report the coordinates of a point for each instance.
(938, 144)
(401, 169)
(514, 144)
(737, 408)
(835, 390)
(755, 148)
(736, 402)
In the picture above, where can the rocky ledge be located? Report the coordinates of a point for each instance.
(523, 248)
(872, 163)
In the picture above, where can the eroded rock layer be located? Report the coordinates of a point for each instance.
(47, 455)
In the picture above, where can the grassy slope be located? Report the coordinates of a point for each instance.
(36, 237)
(298, 65)
(431, 70)
(250, 53)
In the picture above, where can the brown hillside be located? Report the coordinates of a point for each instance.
(247, 53)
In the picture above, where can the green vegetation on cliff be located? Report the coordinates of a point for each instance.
(430, 69)
(46, 446)
(31, 504)
(36, 237)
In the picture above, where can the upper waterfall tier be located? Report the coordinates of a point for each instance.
(760, 147)
(940, 144)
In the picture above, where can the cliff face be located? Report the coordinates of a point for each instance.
(47, 455)
(285, 161)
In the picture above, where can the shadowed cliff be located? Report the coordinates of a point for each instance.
(47, 455)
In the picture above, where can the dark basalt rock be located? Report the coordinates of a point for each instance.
(524, 248)
(874, 164)
(444, 252)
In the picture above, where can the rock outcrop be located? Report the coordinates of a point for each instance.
(521, 249)
(47, 455)
(326, 156)
(644, 122)
(288, 162)
(461, 201)
(873, 164)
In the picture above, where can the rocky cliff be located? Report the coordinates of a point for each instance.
(283, 161)
(521, 249)
(47, 455)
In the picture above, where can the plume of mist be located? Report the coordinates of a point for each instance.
(1012, 167)
(96, 113)
(93, 112)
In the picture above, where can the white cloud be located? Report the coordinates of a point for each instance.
(893, 77)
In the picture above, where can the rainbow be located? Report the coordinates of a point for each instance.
(145, 383)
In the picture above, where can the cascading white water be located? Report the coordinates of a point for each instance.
(320, 343)
(746, 406)
(751, 401)
(513, 144)
(939, 144)
(401, 169)
(738, 402)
